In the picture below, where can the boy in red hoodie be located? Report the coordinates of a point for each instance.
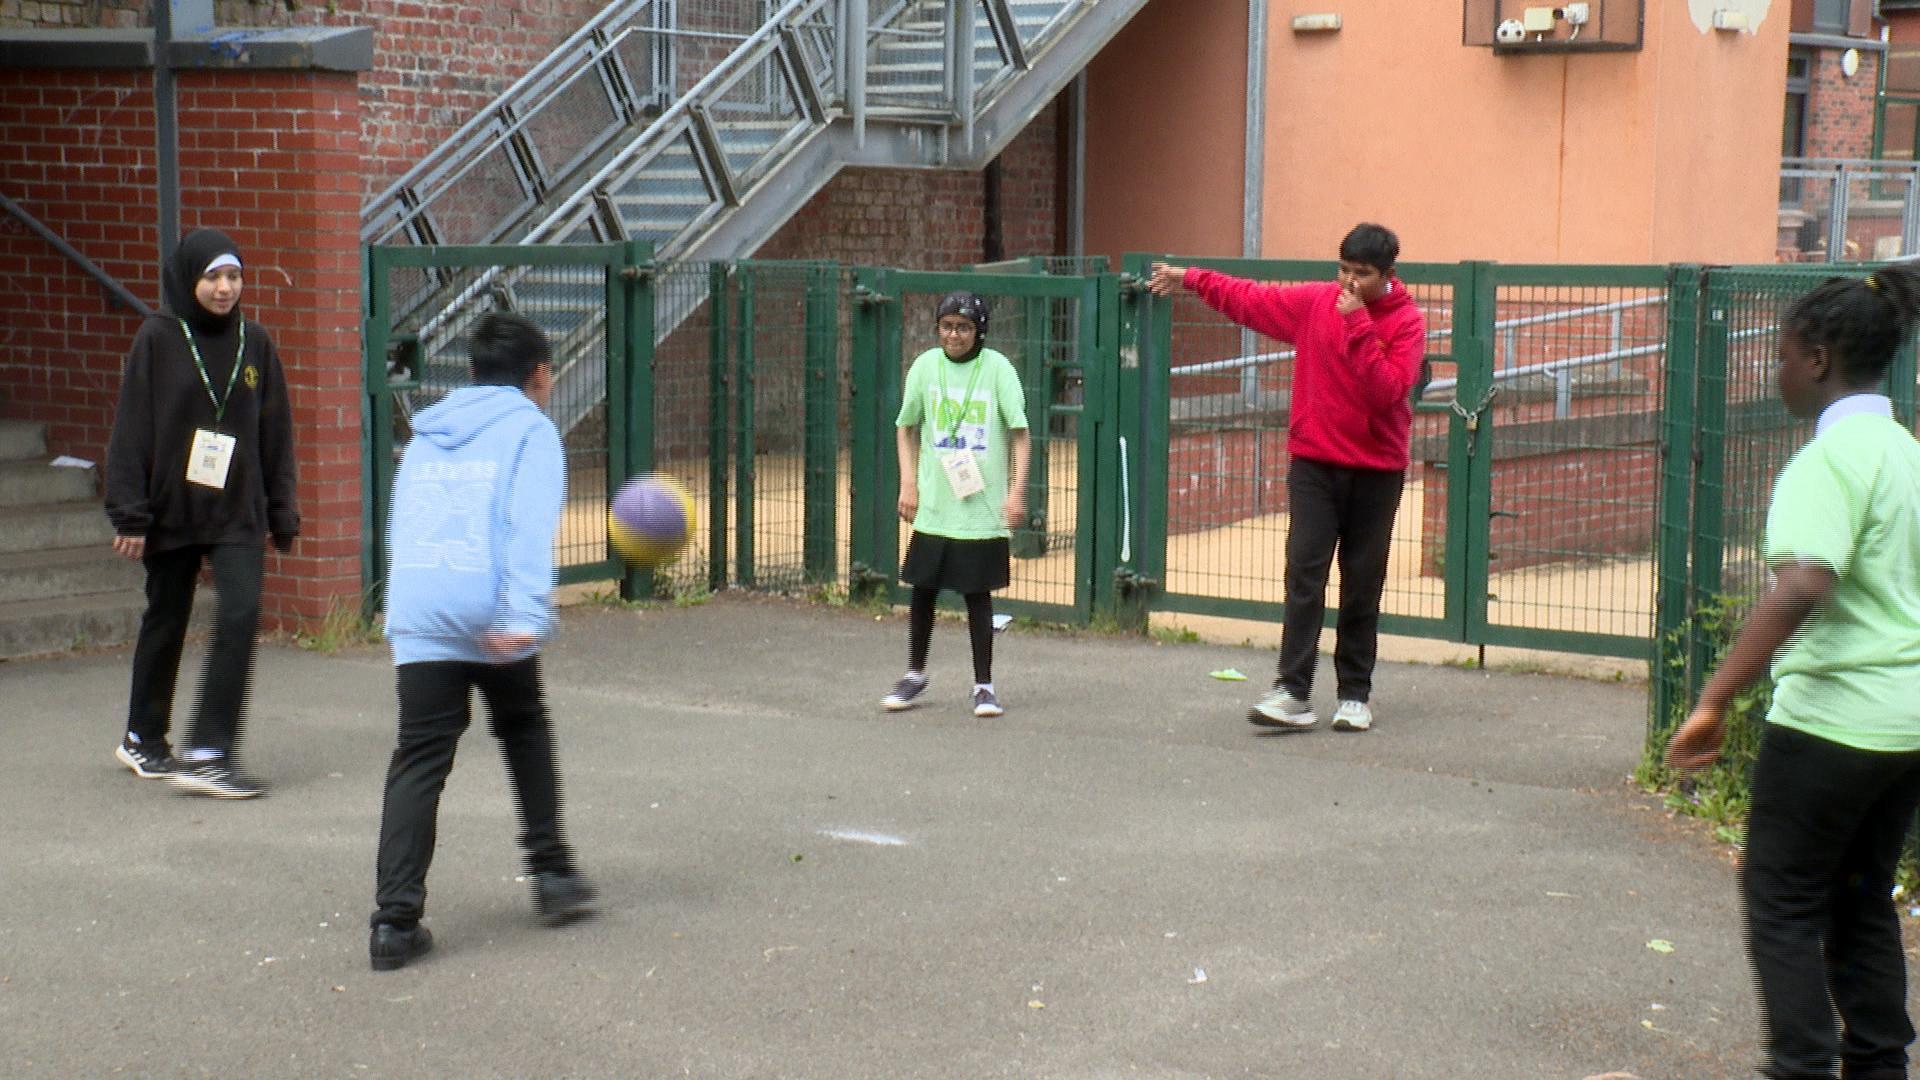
(1359, 342)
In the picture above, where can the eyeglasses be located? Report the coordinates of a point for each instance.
(956, 330)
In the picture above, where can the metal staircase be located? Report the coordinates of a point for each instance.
(701, 126)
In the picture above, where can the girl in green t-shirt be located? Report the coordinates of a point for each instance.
(1837, 778)
(963, 420)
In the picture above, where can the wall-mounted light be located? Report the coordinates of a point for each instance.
(1730, 20)
(1316, 24)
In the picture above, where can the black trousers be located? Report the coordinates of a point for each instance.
(1824, 831)
(1335, 509)
(435, 700)
(171, 578)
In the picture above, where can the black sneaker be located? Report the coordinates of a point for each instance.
(216, 777)
(986, 703)
(905, 693)
(147, 762)
(391, 948)
(561, 898)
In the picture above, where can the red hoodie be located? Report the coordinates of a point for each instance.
(1353, 375)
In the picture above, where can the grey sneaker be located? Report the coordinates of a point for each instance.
(216, 777)
(985, 703)
(1352, 716)
(906, 693)
(1282, 710)
(559, 899)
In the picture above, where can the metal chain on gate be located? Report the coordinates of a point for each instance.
(1472, 416)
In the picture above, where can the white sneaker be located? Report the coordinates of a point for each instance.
(1281, 709)
(1352, 716)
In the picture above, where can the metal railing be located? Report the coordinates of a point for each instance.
(117, 292)
(1848, 210)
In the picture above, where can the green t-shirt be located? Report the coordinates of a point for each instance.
(1850, 500)
(972, 405)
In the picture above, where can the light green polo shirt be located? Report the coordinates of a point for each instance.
(1850, 500)
(974, 405)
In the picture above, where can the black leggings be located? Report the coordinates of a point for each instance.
(979, 631)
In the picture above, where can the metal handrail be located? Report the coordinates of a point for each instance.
(115, 290)
(536, 78)
(668, 125)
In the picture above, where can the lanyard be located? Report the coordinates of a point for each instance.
(219, 403)
(960, 414)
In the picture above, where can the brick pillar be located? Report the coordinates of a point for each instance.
(273, 159)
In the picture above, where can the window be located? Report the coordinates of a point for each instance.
(1832, 16)
(1793, 133)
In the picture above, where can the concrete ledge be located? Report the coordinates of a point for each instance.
(296, 48)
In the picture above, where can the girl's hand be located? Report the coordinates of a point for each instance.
(1016, 510)
(133, 547)
(1696, 743)
(909, 504)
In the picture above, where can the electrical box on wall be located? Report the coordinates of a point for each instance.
(1512, 27)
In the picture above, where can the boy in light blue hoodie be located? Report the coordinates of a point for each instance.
(469, 603)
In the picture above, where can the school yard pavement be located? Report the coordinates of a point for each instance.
(1119, 878)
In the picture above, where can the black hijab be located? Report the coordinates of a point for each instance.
(196, 252)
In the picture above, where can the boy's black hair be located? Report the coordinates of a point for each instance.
(1859, 321)
(505, 349)
(1374, 245)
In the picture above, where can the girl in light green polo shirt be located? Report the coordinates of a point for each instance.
(1837, 779)
(962, 440)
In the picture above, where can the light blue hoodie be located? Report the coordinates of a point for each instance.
(470, 543)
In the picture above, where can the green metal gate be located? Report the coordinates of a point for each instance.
(1049, 327)
(594, 301)
(1542, 382)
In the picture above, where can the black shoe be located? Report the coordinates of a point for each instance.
(216, 777)
(391, 947)
(561, 898)
(147, 762)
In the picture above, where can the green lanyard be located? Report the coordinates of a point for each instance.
(961, 413)
(219, 403)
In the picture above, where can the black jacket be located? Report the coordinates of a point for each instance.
(162, 401)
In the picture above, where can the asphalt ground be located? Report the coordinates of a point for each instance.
(1119, 878)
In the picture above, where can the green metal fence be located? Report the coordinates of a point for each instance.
(1731, 437)
(1590, 448)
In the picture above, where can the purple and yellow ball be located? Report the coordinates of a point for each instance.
(650, 521)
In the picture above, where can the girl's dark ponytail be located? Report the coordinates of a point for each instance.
(1861, 321)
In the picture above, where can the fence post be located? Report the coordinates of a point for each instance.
(1674, 527)
(1470, 452)
(1036, 377)
(822, 393)
(872, 440)
(1708, 539)
(635, 448)
(1145, 345)
(377, 445)
(717, 412)
(744, 435)
(1121, 592)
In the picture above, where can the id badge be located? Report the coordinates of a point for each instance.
(963, 473)
(209, 458)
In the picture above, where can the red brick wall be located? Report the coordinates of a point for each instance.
(268, 157)
(1840, 109)
(924, 220)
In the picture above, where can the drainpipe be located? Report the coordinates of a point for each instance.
(1077, 165)
(166, 129)
(1253, 180)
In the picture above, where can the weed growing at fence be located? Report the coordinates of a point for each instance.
(344, 627)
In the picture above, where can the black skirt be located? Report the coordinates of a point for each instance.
(964, 566)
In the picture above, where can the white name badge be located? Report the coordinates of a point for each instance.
(209, 458)
(963, 473)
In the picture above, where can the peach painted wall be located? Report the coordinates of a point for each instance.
(1166, 131)
(1668, 153)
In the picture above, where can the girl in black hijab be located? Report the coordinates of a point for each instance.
(200, 470)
